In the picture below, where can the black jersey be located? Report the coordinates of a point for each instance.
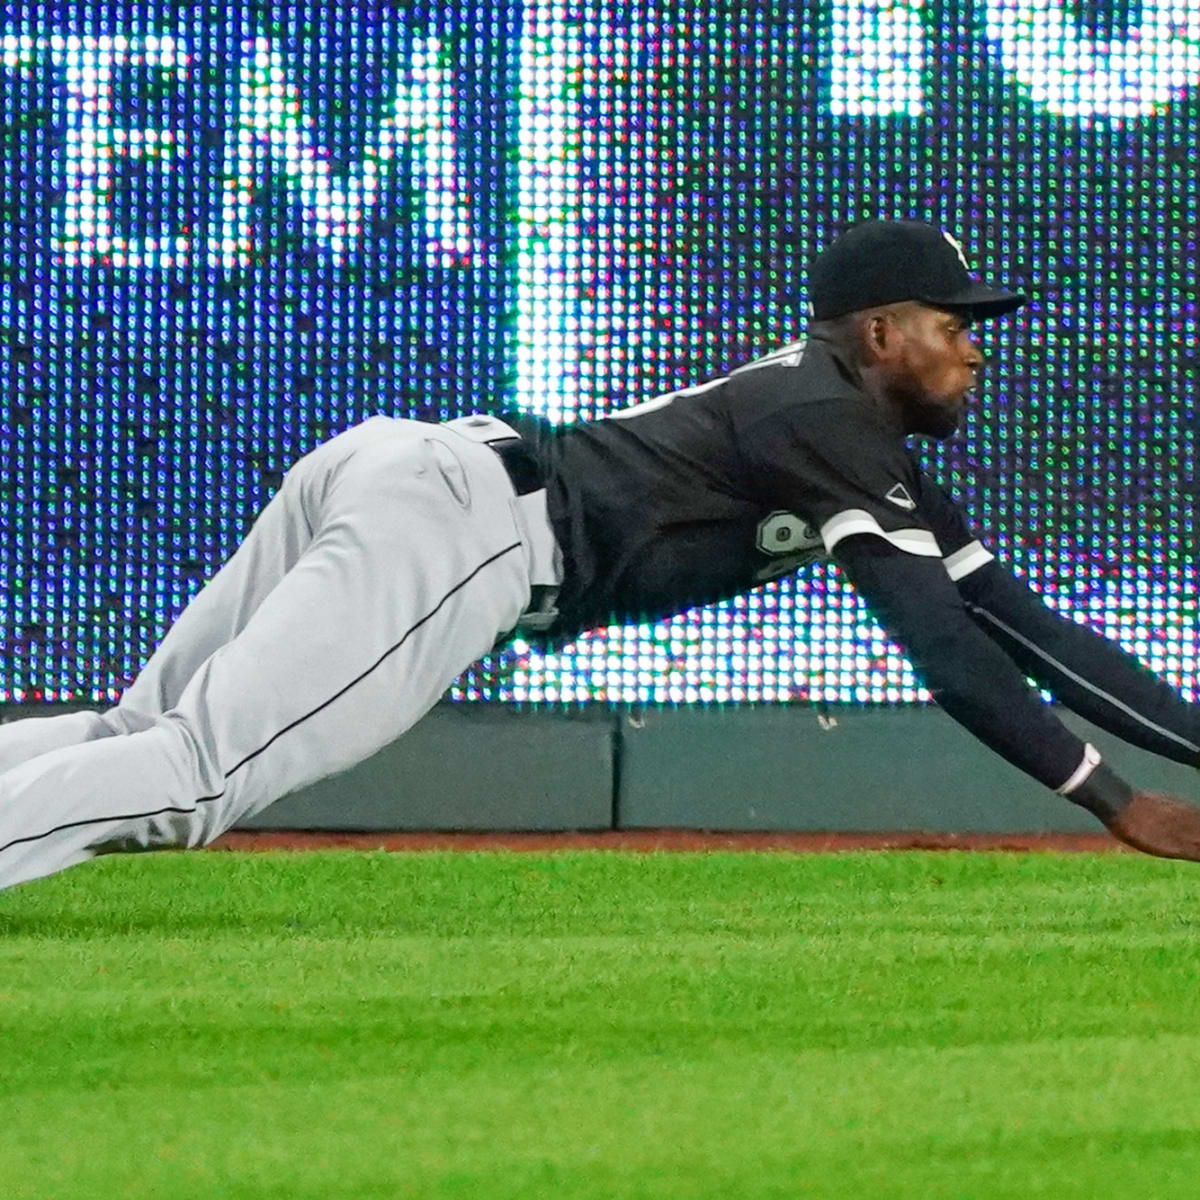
(708, 492)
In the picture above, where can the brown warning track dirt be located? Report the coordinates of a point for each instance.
(648, 840)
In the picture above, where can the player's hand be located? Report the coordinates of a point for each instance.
(1158, 824)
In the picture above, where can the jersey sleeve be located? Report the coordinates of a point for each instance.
(963, 552)
(969, 674)
(834, 464)
(1091, 675)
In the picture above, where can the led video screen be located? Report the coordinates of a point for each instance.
(230, 231)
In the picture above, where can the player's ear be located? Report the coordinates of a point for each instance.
(876, 333)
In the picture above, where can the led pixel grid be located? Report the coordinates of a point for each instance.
(229, 231)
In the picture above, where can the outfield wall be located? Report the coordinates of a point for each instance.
(231, 231)
(765, 768)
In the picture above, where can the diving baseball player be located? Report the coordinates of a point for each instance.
(399, 552)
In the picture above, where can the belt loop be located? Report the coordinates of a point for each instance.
(519, 461)
(482, 428)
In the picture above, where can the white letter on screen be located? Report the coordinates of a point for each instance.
(549, 198)
(876, 57)
(1077, 76)
(272, 128)
(84, 232)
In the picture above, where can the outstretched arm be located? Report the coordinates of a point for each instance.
(981, 687)
(1088, 673)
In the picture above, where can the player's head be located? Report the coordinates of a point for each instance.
(899, 296)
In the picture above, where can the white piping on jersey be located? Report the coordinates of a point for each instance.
(1091, 760)
(1137, 716)
(970, 558)
(857, 520)
(786, 356)
(646, 406)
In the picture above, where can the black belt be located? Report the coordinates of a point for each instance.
(521, 464)
(526, 475)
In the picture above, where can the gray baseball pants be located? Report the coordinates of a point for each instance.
(392, 557)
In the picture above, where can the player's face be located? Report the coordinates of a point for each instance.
(935, 363)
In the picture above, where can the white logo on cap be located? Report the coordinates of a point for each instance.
(962, 258)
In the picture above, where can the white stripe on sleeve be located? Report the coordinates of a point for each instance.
(857, 520)
(970, 558)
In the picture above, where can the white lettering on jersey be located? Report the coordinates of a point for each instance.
(785, 533)
(790, 541)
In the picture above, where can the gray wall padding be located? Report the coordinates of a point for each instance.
(471, 768)
(754, 768)
(877, 770)
(881, 770)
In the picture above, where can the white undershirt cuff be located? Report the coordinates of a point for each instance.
(1091, 760)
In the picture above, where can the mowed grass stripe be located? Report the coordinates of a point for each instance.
(602, 1024)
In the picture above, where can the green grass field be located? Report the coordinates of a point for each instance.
(602, 1025)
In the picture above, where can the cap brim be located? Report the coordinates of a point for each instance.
(980, 301)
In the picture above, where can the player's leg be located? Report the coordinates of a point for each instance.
(213, 617)
(32, 736)
(415, 568)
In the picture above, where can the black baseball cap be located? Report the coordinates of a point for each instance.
(883, 262)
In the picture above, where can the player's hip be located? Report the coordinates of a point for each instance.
(439, 488)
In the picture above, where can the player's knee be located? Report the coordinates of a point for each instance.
(174, 829)
(123, 720)
(193, 790)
